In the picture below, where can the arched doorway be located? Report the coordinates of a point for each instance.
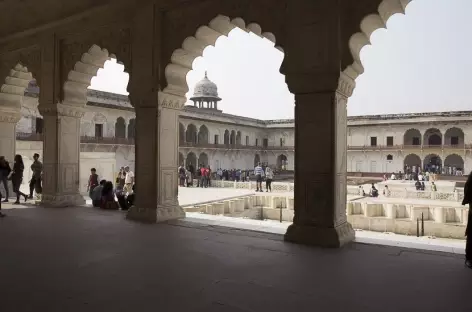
(238, 138)
(226, 137)
(454, 137)
(232, 139)
(120, 128)
(412, 137)
(257, 159)
(203, 135)
(181, 159)
(282, 162)
(433, 137)
(454, 165)
(203, 159)
(181, 133)
(191, 134)
(412, 163)
(433, 163)
(131, 128)
(192, 160)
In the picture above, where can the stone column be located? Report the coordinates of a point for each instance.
(146, 169)
(168, 207)
(320, 168)
(8, 120)
(61, 149)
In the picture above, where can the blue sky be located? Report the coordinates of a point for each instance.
(421, 63)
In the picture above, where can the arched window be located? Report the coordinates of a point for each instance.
(389, 157)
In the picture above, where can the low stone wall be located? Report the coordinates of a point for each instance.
(280, 187)
(439, 221)
(446, 220)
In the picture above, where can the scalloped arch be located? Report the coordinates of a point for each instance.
(13, 89)
(80, 78)
(369, 24)
(192, 47)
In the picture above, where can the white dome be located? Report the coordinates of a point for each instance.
(205, 88)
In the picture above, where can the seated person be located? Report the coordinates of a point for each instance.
(120, 195)
(131, 198)
(108, 197)
(374, 192)
(96, 194)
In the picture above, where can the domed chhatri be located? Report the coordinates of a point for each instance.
(206, 94)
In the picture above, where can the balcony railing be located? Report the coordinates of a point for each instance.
(130, 141)
(235, 146)
(406, 147)
(83, 139)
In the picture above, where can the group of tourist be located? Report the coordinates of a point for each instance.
(105, 196)
(203, 176)
(15, 175)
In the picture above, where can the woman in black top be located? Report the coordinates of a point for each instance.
(17, 178)
(468, 200)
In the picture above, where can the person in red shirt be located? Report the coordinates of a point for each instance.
(202, 176)
(208, 177)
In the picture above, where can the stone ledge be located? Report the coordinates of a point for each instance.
(61, 201)
(155, 215)
(331, 237)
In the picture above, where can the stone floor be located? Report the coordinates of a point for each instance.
(82, 259)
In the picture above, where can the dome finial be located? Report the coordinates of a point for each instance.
(206, 74)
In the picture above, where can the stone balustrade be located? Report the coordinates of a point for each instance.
(455, 196)
(446, 219)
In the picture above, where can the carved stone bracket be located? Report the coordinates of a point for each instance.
(62, 110)
(168, 100)
(346, 86)
(9, 117)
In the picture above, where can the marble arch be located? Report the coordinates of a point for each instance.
(192, 47)
(80, 77)
(11, 99)
(369, 24)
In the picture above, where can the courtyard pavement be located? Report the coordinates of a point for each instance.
(84, 259)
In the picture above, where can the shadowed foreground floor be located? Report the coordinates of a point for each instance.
(89, 260)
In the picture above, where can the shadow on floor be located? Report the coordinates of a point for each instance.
(84, 259)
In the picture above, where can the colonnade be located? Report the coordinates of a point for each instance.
(157, 47)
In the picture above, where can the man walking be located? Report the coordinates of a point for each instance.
(35, 183)
(4, 173)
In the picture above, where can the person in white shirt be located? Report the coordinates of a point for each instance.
(420, 177)
(129, 181)
(269, 177)
(259, 173)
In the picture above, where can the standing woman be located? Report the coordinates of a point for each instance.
(468, 200)
(17, 178)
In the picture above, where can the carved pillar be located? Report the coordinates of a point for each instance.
(320, 169)
(168, 157)
(61, 149)
(8, 120)
(146, 168)
(156, 140)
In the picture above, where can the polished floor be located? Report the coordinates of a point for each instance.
(82, 259)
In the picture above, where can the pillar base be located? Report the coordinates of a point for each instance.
(62, 201)
(161, 214)
(145, 215)
(331, 237)
(170, 212)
